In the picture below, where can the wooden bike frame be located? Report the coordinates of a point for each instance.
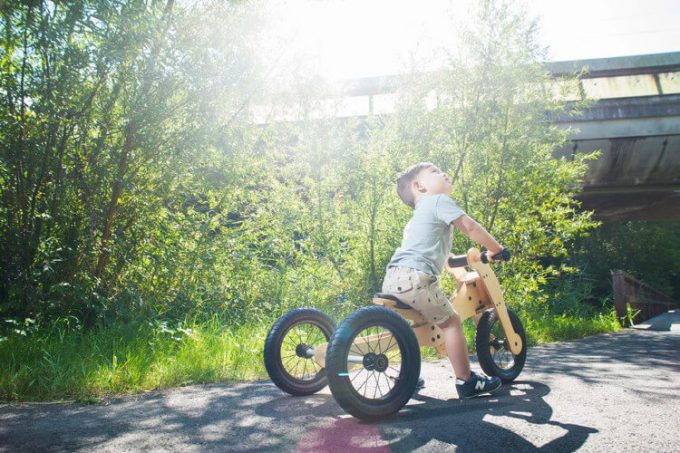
(476, 292)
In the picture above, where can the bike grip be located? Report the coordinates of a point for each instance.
(503, 255)
(458, 261)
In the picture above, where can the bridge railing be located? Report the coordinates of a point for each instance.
(645, 301)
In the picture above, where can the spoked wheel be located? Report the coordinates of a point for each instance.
(289, 350)
(493, 349)
(373, 363)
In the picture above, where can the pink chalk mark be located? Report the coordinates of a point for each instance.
(344, 435)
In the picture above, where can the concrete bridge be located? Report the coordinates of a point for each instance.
(633, 118)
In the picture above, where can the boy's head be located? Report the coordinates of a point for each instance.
(422, 180)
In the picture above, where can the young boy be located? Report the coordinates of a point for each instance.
(412, 272)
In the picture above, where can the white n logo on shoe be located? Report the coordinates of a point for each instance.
(479, 385)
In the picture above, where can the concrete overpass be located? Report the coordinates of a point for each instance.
(634, 120)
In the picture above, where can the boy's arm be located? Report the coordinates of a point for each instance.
(477, 233)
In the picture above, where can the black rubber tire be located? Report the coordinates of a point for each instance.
(276, 368)
(404, 380)
(488, 324)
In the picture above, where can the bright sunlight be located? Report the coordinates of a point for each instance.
(350, 39)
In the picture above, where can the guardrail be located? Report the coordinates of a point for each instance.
(644, 300)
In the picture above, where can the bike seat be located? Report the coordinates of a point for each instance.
(397, 303)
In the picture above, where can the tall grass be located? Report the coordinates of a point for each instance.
(567, 327)
(548, 328)
(63, 363)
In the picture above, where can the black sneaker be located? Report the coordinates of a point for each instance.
(477, 385)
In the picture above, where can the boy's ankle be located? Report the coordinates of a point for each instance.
(461, 381)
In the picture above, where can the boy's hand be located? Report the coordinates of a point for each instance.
(494, 257)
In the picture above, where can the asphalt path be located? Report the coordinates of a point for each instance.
(616, 392)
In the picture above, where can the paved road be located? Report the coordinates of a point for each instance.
(616, 392)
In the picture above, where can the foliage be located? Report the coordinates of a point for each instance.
(153, 167)
(567, 327)
(649, 251)
(66, 361)
(489, 130)
(118, 166)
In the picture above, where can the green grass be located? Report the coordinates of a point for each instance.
(563, 327)
(548, 329)
(66, 363)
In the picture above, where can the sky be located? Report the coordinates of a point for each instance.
(579, 29)
(344, 39)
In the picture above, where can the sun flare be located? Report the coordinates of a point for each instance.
(350, 39)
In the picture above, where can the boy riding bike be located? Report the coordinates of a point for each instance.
(412, 273)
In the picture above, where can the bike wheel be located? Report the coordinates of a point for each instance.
(289, 350)
(373, 363)
(493, 349)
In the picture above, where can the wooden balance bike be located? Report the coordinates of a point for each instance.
(371, 362)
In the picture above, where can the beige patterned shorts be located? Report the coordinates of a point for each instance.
(420, 290)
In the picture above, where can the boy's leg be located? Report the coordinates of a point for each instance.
(468, 383)
(456, 347)
(424, 293)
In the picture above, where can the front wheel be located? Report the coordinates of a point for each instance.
(373, 363)
(493, 349)
(289, 350)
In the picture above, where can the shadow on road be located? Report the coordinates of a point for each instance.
(237, 418)
(586, 359)
(234, 417)
(464, 425)
(247, 416)
(240, 417)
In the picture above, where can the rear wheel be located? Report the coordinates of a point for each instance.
(373, 363)
(289, 350)
(493, 348)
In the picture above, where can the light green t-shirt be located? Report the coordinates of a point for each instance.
(428, 235)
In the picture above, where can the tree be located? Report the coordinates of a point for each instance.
(105, 115)
(135, 180)
(485, 120)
